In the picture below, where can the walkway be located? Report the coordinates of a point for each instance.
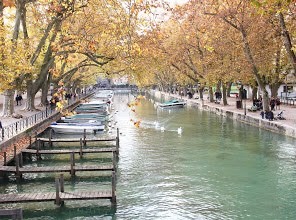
(19, 110)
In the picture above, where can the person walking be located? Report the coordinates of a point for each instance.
(272, 103)
(277, 103)
(17, 98)
(20, 99)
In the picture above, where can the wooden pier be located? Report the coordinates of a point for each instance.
(76, 151)
(59, 196)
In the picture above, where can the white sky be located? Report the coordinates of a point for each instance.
(179, 2)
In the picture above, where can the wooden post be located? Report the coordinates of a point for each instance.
(14, 151)
(114, 160)
(37, 151)
(62, 188)
(117, 140)
(4, 158)
(30, 143)
(17, 167)
(21, 159)
(57, 184)
(80, 153)
(36, 140)
(50, 137)
(72, 164)
(113, 200)
(84, 137)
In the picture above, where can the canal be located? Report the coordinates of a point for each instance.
(215, 169)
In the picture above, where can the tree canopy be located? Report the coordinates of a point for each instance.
(151, 42)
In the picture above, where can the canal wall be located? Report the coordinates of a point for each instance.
(273, 126)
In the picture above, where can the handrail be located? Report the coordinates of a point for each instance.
(15, 128)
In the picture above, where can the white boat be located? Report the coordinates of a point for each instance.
(105, 94)
(73, 128)
(172, 104)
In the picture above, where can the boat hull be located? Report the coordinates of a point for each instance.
(76, 129)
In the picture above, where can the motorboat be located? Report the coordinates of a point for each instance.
(86, 118)
(76, 128)
(172, 104)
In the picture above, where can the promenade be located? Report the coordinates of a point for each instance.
(20, 109)
(289, 112)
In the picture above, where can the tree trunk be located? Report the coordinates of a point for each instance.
(229, 84)
(45, 89)
(254, 92)
(224, 91)
(211, 94)
(8, 105)
(30, 102)
(274, 89)
(250, 58)
(200, 90)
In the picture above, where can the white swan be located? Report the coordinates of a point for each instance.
(180, 130)
(162, 129)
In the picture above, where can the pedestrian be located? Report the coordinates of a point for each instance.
(277, 103)
(0, 125)
(262, 114)
(272, 103)
(20, 99)
(17, 99)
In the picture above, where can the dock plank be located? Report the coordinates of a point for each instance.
(57, 169)
(77, 139)
(77, 151)
(51, 196)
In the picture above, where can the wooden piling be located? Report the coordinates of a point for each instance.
(114, 160)
(72, 164)
(37, 151)
(36, 136)
(14, 151)
(50, 137)
(62, 188)
(17, 167)
(80, 148)
(84, 137)
(113, 200)
(4, 158)
(57, 185)
(21, 160)
(30, 143)
(117, 141)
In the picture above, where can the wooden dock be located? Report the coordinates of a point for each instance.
(51, 196)
(76, 151)
(76, 139)
(59, 196)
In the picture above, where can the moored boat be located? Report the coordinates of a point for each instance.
(75, 128)
(172, 104)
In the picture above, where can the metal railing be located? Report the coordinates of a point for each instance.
(15, 128)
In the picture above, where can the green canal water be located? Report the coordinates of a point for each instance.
(215, 169)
